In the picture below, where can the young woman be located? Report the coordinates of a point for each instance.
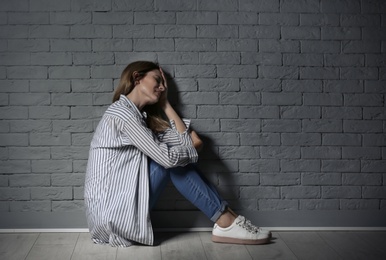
(133, 155)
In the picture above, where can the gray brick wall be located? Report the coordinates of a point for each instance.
(288, 95)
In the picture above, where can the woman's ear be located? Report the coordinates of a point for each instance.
(136, 77)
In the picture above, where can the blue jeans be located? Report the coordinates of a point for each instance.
(191, 184)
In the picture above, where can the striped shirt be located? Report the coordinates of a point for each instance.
(117, 177)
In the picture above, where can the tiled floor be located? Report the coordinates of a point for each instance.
(197, 245)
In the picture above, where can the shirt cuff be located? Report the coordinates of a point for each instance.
(185, 136)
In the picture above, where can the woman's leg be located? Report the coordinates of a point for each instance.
(195, 188)
(159, 178)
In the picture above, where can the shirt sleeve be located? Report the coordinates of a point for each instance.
(172, 137)
(135, 133)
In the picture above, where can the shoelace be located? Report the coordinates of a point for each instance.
(246, 224)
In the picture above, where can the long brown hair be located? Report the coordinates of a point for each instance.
(133, 72)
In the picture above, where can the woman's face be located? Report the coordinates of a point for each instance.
(151, 87)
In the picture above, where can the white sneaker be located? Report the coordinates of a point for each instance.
(258, 229)
(240, 232)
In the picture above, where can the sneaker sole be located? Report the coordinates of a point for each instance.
(230, 240)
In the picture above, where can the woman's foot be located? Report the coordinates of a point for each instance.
(241, 231)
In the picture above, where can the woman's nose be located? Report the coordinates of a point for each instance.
(161, 87)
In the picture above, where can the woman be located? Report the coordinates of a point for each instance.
(135, 152)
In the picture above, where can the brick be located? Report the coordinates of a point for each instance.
(34, 99)
(259, 165)
(301, 139)
(199, 98)
(341, 139)
(4, 206)
(299, 165)
(49, 112)
(280, 125)
(17, 5)
(374, 139)
(277, 204)
(362, 126)
(303, 60)
(302, 85)
(202, 71)
(49, 139)
(278, 72)
(258, 6)
(48, 5)
(93, 58)
(362, 179)
(66, 72)
(273, 59)
(80, 166)
(78, 193)
(51, 166)
(187, 84)
(214, 111)
(14, 31)
(217, 5)
(153, 45)
(14, 194)
(260, 85)
(13, 139)
(306, 6)
(318, 99)
(373, 86)
(29, 180)
(81, 139)
(359, 204)
(237, 18)
(91, 31)
(67, 179)
(67, 206)
(14, 59)
(28, 18)
(237, 45)
(360, 20)
(311, 178)
(312, 46)
(27, 72)
(373, 166)
(155, 18)
(319, 19)
(341, 113)
(269, 45)
(238, 152)
(90, 5)
(345, 60)
(363, 100)
(321, 125)
(363, 46)
(107, 71)
(297, 192)
(101, 45)
(49, 31)
(343, 86)
(220, 139)
(341, 165)
(112, 18)
(70, 18)
(70, 45)
(27, 153)
(259, 111)
(281, 19)
(15, 166)
(51, 193)
(178, 58)
(13, 112)
(242, 125)
(374, 113)
(279, 179)
(359, 73)
(101, 99)
(123, 5)
(204, 45)
(26, 126)
(374, 60)
(92, 85)
(259, 32)
(175, 5)
(30, 206)
(260, 192)
(217, 31)
(73, 126)
(280, 152)
(46, 58)
(341, 192)
(319, 204)
(300, 33)
(340, 6)
(50, 86)
(241, 71)
(319, 73)
(175, 31)
(324, 152)
(260, 139)
(281, 99)
(299, 112)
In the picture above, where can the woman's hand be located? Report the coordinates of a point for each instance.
(163, 100)
(197, 142)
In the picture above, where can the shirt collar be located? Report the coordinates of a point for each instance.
(127, 102)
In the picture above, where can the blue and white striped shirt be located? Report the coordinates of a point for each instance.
(117, 177)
